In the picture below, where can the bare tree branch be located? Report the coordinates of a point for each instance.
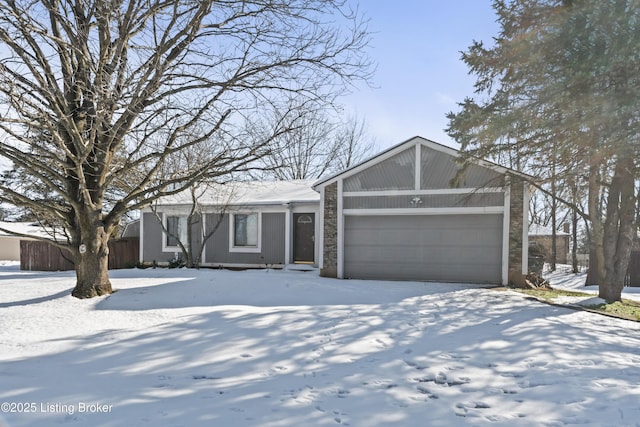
(99, 99)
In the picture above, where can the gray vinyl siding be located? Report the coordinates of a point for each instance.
(425, 201)
(272, 244)
(153, 235)
(439, 170)
(217, 247)
(395, 173)
(132, 229)
(450, 248)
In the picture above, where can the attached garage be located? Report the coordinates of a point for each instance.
(449, 248)
(413, 213)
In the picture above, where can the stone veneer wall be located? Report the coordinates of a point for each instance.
(330, 232)
(516, 224)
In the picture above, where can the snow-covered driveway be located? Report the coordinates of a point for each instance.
(287, 348)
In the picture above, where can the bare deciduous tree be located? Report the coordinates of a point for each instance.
(318, 144)
(99, 98)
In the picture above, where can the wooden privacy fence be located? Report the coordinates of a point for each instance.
(124, 253)
(43, 256)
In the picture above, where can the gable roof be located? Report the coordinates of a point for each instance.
(389, 152)
(247, 193)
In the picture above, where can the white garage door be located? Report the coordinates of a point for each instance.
(452, 248)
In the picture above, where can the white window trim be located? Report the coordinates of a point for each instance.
(245, 249)
(505, 233)
(165, 247)
(141, 240)
(417, 175)
(340, 231)
(525, 228)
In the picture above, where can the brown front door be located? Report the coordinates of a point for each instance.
(303, 237)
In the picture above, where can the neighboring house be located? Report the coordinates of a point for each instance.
(399, 216)
(10, 243)
(131, 229)
(259, 224)
(542, 236)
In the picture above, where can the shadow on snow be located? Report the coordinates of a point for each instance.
(414, 354)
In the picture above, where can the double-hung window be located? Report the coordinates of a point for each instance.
(245, 232)
(176, 230)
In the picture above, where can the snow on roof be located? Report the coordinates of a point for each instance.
(28, 228)
(248, 193)
(541, 230)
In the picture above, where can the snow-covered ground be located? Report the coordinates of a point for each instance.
(563, 279)
(288, 348)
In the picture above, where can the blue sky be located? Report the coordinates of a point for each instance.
(420, 77)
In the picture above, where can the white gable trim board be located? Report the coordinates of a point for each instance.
(423, 232)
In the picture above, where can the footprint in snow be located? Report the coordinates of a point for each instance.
(453, 356)
(462, 408)
(381, 384)
(339, 418)
(537, 364)
(535, 382)
(426, 392)
(512, 375)
(163, 381)
(343, 393)
(503, 418)
(381, 344)
(442, 379)
(416, 365)
(204, 377)
(498, 390)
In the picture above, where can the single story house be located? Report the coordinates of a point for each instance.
(408, 213)
(543, 237)
(254, 224)
(10, 242)
(411, 213)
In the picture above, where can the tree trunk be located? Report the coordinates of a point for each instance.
(92, 265)
(574, 238)
(554, 213)
(619, 229)
(610, 291)
(596, 273)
